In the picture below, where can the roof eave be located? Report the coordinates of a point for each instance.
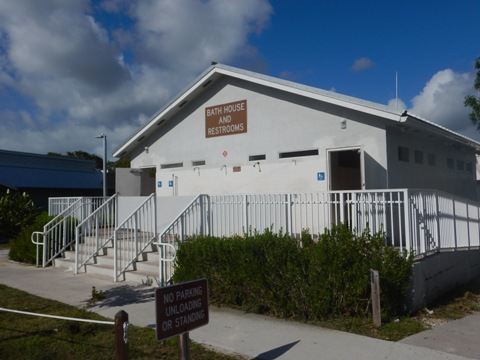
(445, 132)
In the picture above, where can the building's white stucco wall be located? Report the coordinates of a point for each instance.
(453, 169)
(276, 123)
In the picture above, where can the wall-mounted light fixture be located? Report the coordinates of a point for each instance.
(146, 149)
(198, 169)
(343, 124)
(224, 167)
(255, 165)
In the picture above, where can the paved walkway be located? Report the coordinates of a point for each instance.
(255, 336)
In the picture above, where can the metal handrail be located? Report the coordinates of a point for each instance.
(84, 232)
(37, 243)
(125, 257)
(169, 238)
(173, 250)
(182, 213)
(59, 242)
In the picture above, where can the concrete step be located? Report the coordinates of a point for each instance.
(101, 270)
(146, 271)
(65, 263)
(148, 267)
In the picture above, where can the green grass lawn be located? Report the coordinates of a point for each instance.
(31, 337)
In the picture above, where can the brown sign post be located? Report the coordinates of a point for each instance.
(181, 308)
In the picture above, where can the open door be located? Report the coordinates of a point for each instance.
(345, 174)
(346, 170)
(147, 186)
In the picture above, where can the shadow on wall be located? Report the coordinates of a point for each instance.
(375, 174)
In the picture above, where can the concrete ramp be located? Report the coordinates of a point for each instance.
(168, 208)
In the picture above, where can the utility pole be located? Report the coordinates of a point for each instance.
(104, 137)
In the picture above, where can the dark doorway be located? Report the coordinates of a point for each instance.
(345, 170)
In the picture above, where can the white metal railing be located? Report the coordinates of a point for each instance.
(134, 235)
(421, 221)
(193, 220)
(56, 205)
(315, 212)
(441, 221)
(59, 233)
(95, 232)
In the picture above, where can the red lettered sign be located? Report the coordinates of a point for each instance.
(180, 308)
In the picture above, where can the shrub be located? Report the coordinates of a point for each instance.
(21, 248)
(16, 211)
(271, 273)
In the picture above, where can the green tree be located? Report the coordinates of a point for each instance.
(474, 102)
(123, 162)
(83, 155)
(79, 154)
(16, 211)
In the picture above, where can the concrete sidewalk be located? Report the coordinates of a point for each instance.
(254, 336)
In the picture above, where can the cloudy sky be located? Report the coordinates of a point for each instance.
(73, 69)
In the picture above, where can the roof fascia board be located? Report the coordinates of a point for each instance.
(443, 131)
(270, 82)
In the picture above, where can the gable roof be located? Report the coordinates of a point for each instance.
(216, 71)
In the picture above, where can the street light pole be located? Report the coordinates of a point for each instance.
(104, 137)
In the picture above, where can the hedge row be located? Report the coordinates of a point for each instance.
(305, 279)
(21, 248)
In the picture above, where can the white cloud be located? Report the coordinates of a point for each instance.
(66, 76)
(196, 32)
(397, 104)
(362, 64)
(441, 101)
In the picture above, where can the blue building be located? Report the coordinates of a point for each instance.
(44, 176)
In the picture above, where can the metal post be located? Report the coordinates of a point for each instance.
(342, 210)
(288, 212)
(375, 288)
(135, 234)
(121, 335)
(437, 223)
(115, 256)
(406, 211)
(202, 215)
(183, 349)
(104, 167)
(104, 137)
(44, 250)
(77, 244)
(245, 213)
